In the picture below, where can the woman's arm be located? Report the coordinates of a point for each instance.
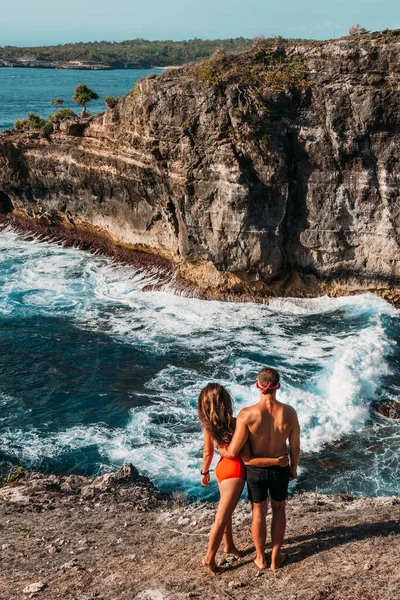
(281, 461)
(252, 461)
(208, 453)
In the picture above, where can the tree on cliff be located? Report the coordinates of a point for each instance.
(82, 95)
(111, 101)
(357, 30)
(58, 102)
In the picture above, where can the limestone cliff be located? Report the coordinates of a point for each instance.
(275, 171)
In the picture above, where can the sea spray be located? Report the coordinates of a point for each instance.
(95, 372)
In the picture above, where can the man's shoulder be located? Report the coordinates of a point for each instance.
(289, 411)
(246, 414)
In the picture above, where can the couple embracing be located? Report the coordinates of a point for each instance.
(253, 448)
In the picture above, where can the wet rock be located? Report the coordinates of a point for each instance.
(392, 410)
(379, 448)
(339, 446)
(326, 464)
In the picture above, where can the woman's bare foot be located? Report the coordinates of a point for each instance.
(235, 552)
(280, 561)
(261, 563)
(212, 567)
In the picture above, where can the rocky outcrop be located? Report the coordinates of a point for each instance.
(275, 171)
(65, 545)
(39, 491)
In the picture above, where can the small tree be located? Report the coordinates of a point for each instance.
(83, 94)
(356, 30)
(58, 102)
(111, 101)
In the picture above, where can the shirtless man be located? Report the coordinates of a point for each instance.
(268, 425)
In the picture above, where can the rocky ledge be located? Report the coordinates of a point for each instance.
(271, 172)
(117, 537)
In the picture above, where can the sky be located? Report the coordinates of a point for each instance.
(41, 22)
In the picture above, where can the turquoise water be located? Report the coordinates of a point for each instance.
(23, 90)
(94, 372)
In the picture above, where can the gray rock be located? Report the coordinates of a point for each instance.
(293, 191)
(33, 588)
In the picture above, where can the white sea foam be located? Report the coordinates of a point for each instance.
(332, 365)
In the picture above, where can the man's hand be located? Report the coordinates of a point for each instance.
(205, 480)
(293, 475)
(283, 461)
(222, 452)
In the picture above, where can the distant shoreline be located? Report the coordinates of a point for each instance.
(82, 67)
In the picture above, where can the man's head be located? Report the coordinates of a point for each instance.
(268, 380)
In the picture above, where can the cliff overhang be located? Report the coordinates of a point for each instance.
(270, 172)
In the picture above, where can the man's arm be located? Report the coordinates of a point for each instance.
(238, 440)
(294, 444)
(252, 461)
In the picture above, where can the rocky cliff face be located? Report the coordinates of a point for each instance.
(275, 171)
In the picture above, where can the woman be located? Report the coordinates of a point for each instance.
(215, 413)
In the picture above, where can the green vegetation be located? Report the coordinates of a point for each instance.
(60, 115)
(111, 101)
(82, 95)
(57, 102)
(264, 66)
(13, 474)
(131, 54)
(31, 123)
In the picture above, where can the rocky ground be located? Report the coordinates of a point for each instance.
(118, 537)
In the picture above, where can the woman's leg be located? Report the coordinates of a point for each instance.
(229, 544)
(230, 491)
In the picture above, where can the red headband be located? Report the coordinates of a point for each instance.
(264, 389)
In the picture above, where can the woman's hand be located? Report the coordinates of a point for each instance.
(283, 461)
(222, 452)
(205, 480)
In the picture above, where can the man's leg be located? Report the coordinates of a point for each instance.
(259, 531)
(278, 527)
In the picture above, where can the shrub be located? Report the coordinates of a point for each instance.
(111, 101)
(31, 123)
(60, 115)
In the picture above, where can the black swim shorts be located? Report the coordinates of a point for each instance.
(261, 480)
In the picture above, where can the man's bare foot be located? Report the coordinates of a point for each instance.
(280, 561)
(212, 567)
(261, 563)
(235, 552)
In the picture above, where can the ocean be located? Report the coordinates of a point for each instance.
(23, 90)
(95, 372)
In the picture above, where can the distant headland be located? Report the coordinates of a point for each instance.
(130, 54)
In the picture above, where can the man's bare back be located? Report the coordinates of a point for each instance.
(269, 425)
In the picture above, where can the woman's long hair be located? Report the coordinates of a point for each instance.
(214, 408)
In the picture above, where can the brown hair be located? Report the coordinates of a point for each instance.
(214, 408)
(268, 376)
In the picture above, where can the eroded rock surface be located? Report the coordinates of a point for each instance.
(272, 172)
(66, 545)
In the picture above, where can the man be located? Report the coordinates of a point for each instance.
(268, 425)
